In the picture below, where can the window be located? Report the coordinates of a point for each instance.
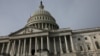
(88, 47)
(97, 45)
(94, 37)
(85, 38)
(79, 39)
(81, 49)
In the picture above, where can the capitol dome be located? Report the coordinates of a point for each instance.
(42, 19)
(41, 11)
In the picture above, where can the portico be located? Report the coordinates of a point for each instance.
(23, 46)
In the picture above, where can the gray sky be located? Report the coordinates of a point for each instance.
(76, 14)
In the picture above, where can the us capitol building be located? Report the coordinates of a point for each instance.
(41, 36)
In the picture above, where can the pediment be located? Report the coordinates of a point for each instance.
(26, 30)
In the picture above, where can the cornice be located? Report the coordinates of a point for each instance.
(86, 30)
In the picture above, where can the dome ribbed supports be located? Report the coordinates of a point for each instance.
(42, 19)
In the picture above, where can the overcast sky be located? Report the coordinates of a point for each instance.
(76, 14)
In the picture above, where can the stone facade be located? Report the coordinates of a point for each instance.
(42, 37)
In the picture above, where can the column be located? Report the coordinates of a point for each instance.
(41, 43)
(42, 25)
(24, 47)
(61, 51)
(35, 25)
(48, 43)
(52, 26)
(30, 43)
(38, 25)
(13, 50)
(8, 46)
(46, 26)
(67, 51)
(55, 51)
(36, 45)
(49, 26)
(3, 44)
(18, 52)
(72, 45)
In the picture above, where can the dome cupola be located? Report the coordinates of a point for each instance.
(42, 19)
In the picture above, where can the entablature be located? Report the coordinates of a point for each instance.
(30, 35)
